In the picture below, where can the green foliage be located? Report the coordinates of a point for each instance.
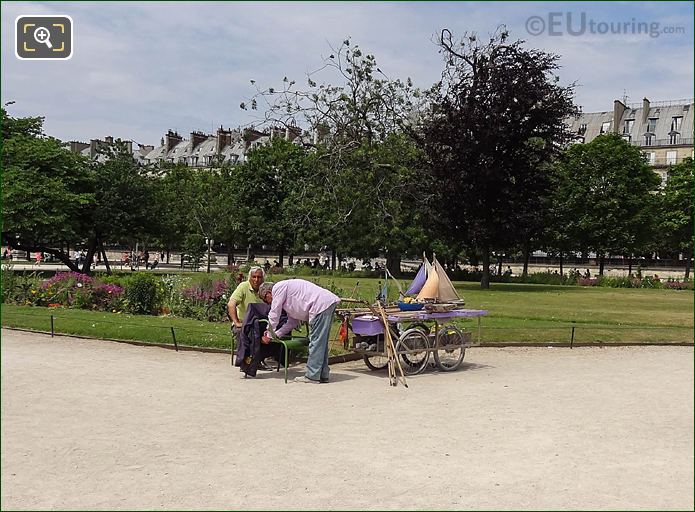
(142, 294)
(193, 250)
(676, 209)
(47, 190)
(604, 198)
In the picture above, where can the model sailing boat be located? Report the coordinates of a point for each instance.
(433, 286)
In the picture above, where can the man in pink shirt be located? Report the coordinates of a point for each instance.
(303, 302)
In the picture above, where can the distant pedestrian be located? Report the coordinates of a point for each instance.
(38, 257)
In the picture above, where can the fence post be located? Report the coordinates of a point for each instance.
(52, 331)
(572, 340)
(173, 335)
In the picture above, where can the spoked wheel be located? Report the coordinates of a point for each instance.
(412, 349)
(450, 357)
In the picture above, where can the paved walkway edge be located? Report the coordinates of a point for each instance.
(344, 358)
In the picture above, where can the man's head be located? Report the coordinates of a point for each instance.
(256, 277)
(265, 292)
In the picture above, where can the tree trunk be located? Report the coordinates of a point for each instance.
(393, 263)
(281, 256)
(485, 281)
(527, 256)
(290, 259)
(687, 267)
(229, 253)
(601, 263)
(499, 267)
(560, 262)
(333, 263)
(106, 260)
(168, 254)
(87, 266)
(629, 265)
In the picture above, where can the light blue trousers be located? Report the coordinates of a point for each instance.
(319, 332)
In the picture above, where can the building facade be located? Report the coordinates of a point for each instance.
(662, 130)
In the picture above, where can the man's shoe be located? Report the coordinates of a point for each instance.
(323, 381)
(264, 366)
(305, 380)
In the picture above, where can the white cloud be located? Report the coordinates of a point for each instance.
(142, 68)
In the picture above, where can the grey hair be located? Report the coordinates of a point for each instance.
(256, 269)
(264, 288)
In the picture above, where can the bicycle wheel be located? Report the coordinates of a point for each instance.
(451, 357)
(412, 349)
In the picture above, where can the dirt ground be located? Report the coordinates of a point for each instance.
(101, 425)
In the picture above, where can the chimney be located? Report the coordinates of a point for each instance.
(224, 139)
(145, 147)
(197, 138)
(619, 109)
(93, 146)
(645, 110)
(172, 139)
(129, 145)
(108, 139)
(76, 146)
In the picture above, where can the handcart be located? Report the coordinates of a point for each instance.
(416, 335)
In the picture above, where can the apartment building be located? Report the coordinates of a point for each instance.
(663, 130)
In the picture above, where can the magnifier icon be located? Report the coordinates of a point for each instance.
(43, 36)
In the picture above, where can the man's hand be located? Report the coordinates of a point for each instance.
(237, 324)
(265, 339)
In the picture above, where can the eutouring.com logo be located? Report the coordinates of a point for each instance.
(579, 24)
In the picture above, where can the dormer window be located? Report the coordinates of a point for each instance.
(605, 127)
(651, 125)
(648, 139)
(676, 122)
(627, 126)
(582, 129)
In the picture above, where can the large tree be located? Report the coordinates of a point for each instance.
(125, 206)
(606, 197)
(47, 190)
(494, 117)
(351, 109)
(676, 212)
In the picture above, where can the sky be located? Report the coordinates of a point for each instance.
(141, 68)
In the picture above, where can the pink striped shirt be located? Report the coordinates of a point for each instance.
(301, 300)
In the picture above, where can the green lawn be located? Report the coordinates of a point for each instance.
(517, 313)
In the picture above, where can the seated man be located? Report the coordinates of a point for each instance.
(245, 293)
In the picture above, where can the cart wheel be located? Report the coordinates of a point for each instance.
(418, 325)
(413, 362)
(376, 363)
(449, 359)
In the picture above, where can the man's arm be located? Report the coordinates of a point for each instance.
(231, 308)
(279, 297)
(236, 297)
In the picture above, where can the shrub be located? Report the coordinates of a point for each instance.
(141, 294)
(678, 285)
(207, 299)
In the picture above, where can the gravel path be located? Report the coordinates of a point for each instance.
(101, 425)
